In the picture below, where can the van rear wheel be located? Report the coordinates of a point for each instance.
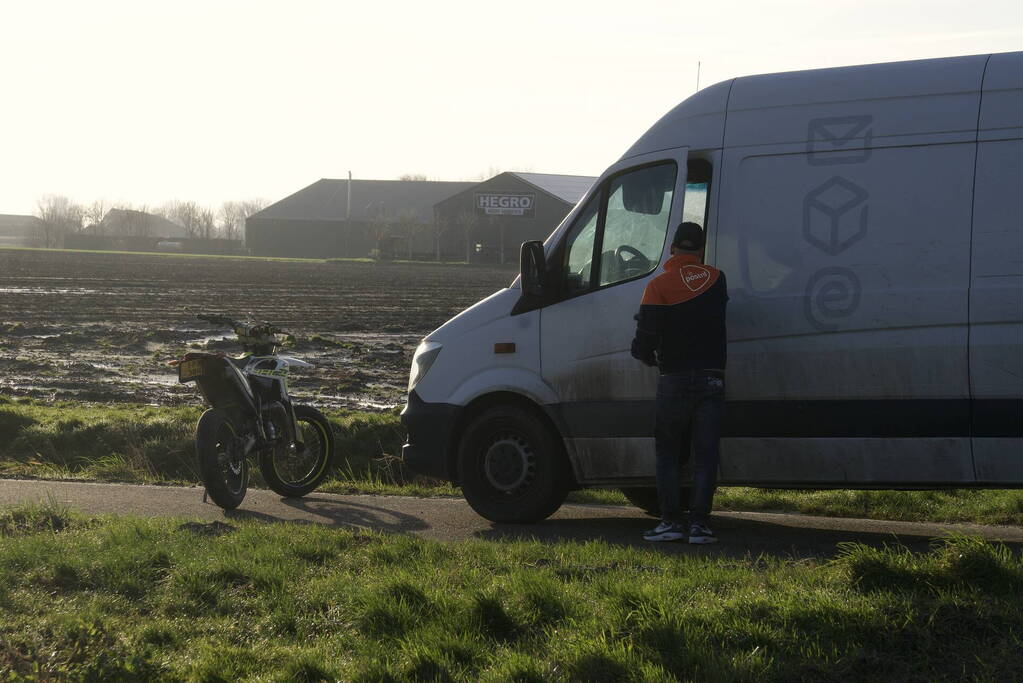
(645, 498)
(511, 466)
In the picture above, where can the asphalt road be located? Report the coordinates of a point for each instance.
(447, 519)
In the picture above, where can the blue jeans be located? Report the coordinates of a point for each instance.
(690, 408)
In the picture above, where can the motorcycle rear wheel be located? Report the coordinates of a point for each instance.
(224, 471)
(294, 474)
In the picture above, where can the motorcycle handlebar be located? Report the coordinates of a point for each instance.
(216, 319)
(263, 328)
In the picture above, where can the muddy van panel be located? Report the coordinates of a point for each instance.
(845, 232)
(996, 288)
(869, 230)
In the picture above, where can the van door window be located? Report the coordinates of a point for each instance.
(636, 223)
(579, 249)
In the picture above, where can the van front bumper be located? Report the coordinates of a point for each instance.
(431, 428)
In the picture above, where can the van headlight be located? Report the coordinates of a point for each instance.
(426, 353)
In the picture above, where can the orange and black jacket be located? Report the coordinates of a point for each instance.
(681, 321)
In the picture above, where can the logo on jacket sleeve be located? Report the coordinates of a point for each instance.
(695, 277)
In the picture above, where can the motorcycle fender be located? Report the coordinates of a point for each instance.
(226, 387)
(293, 362)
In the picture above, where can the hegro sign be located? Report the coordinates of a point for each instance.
(505, 204)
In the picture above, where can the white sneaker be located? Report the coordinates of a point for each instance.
(665, 531)
(701, 533)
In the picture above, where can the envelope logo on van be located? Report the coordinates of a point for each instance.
(839, 140)
(835, 215)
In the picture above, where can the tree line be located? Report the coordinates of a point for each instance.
(61, 216)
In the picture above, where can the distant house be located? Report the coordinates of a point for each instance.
(132, 223)
(20, 231)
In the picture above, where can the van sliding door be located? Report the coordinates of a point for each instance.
(844, 230)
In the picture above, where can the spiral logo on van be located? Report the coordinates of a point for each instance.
(831, 293)
(835, 216)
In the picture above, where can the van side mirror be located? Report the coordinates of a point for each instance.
(532, 268)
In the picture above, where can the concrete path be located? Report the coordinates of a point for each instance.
(447, 519)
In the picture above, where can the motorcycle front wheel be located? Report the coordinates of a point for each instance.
(224, 470)
(295, 471)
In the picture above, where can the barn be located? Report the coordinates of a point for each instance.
(490, 220)
(332, 218)
(415, 219)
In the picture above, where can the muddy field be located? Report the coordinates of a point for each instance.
(101, 327)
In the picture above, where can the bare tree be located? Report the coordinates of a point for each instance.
(467, 221)
(251, 206)
(186, 214)
(232, 216)
(410, 225)
(94, 214)
(439, 227)
(232, 220)
(412, 176)
(207, 223)
(60, 217)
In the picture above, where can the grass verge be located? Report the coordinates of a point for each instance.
(129, 599)
(150, 445)
(147, 444)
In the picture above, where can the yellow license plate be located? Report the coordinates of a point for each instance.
(189, 370)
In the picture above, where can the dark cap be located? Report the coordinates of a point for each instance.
(688, 236)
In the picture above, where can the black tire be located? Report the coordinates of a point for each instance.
(512, 467)
(645, 498)
(291, 474)
(224, 473)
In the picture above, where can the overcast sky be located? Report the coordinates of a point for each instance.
(213, 100)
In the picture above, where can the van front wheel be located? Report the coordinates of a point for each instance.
(511, 466)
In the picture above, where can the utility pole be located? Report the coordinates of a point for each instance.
(697, 76)
(348, 216)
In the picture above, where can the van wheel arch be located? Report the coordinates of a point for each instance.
(481, 404)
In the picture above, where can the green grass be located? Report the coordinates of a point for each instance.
(980, 506)
(148, 444)
(128, 599)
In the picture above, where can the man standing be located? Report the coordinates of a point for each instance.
(681, 329)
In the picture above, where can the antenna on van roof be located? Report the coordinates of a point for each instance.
(697, 76)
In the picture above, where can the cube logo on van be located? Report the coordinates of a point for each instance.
(505, 204)
(835, 215)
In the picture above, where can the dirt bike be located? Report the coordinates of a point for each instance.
(252, 416)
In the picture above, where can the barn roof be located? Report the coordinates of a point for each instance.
(569, 188)
(128, 222)
(327, 200)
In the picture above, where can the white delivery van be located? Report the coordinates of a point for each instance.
(870, 222)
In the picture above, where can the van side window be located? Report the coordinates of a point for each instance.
(636, 222)
(694, 206)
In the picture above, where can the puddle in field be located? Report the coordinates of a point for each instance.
(98, 362)
(46, 290)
